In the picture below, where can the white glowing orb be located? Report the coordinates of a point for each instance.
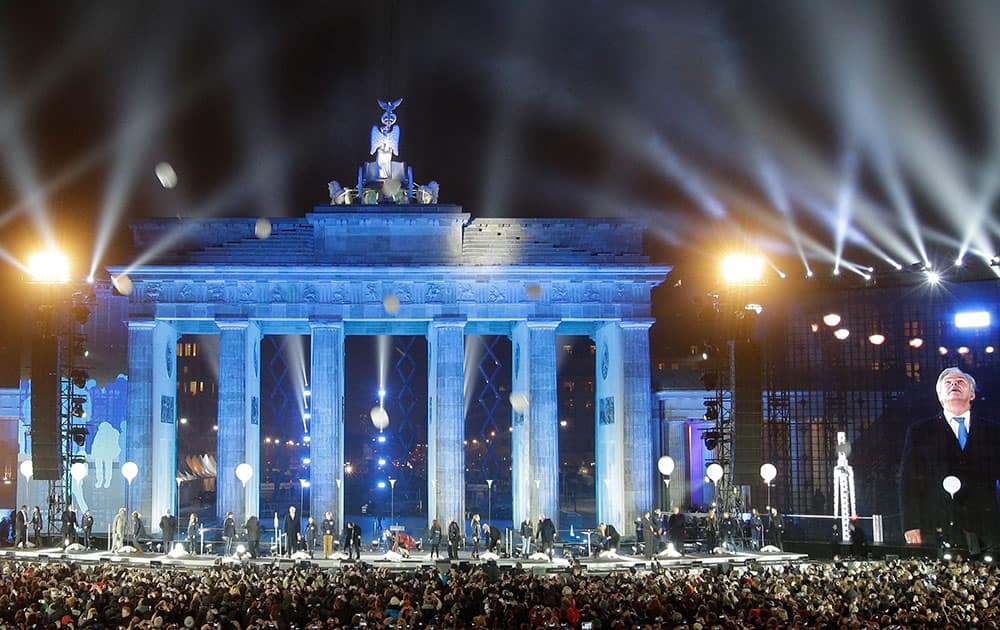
(841, 333)
(951, 484)
(390, 303)
(519, 402)
(27, 468)
(831, 319)
(533, 291)
(380, 417)
(714, 472)
(916, 342)
(768, 472)
(122, 284)
(129, 471)
(244, 472)
(78, 470)
(166, 174)
(262, 229)
(877, 339)
(665, 465)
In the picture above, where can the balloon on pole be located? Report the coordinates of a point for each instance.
(665, 465)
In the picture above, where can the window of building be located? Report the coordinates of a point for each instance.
(568, 348)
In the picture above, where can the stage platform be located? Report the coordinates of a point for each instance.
(417, 560)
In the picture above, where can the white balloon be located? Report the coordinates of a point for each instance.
(952, 484)
(78, 470)
(768, 472)
(714, 472)
(123, 284)
(166, 174)
(262, 229)
(665, 465)
(130, 470)
(27, 468)
(519, 402)
(244, 472)
(380, 417)
(391, 303)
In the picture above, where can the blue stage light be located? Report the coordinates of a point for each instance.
(972, 319)
(381, 485)
(381, 439)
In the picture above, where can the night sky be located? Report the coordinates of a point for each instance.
(825, 135)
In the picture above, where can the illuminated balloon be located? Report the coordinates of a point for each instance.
(768, 472)
(244, 472)
(380, 417)
(262, 229)
(27, 468)
(166, 174)
(519, 402)
(714, 472)
(129, 471)
(533, 290)
(665, 465)
(952, 484)
(122, 284)
(78, 471)
(390, 303)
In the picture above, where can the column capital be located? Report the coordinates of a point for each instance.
(542, 323)
(325, 321)
(637, 322)
(141, 324)
(449, 321)
(232, 323)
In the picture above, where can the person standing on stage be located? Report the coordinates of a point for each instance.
(229, 532)
(87, 525)
(192, 533)
(728, 529)
(36, 525)
(69, 525)
(756, 530)
(649, 529)
(356, 535)
(168, 529)
(329, 530)
(348, 538)
(527, 533)
(492, 535)
(436, 539)
(312, 535)
(960, 443)
(252, 529)
(776, 528)
(138, 532)
(293, 530)
(675, 529)
(546, 535)
(21, 527)
(119, 527)
(711, 530)
(454, 538)
(476, 528)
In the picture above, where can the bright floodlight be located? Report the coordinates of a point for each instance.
(831, 319)
(742, 268)
(916, 342)
(972, 319)
(49, 266)
(933, 277)
(841, 333)
(876, 339)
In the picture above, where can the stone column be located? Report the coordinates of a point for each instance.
(326, 425)
(239, 418)
(139, 426)
(446, 419)
(637, 417)
(609, 406)
(535, 439)
(164, 425)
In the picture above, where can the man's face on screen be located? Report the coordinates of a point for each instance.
(955, 392)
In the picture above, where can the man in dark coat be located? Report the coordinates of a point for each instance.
(168, 529)
(546, 534)
(87, 525)
(21, 527)
(776, 529)
(454, 538)
(252, 528)
(955, 443)
(293, 530)
(69, 525)
(649, 529)
(675, 530)
(229, 532)
(355, 544)
(493, 540)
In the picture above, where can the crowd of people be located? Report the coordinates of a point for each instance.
(867, 594)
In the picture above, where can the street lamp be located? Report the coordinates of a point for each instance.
(129, 470)
(489, 498)
(714, 472)
(666, 467)
(392, 501)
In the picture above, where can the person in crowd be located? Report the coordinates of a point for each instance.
(835, 540)
(21, 527)
(69, 524)
(192, 533)
(36, 525)
(776, 528)
(138, 530)
(252, 531)
(756, 530)
(649, 530)
(454, 538)
(435, 539)
(87, 526)
(955, 442)
(168, 530)
(229, 533)
(119, 530)
(676, 526)
(859, 541)
(329, 529)
(311, 536)
(711, 530)
(546, 535)
(293, 530)
(477, 531)
(527, 533)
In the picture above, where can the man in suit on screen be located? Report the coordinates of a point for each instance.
(955, 443)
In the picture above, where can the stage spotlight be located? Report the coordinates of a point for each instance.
(933, 277)
(972, 319)
(49, 266)
(79, 435)
(742, 269)
(77, 407)
(711, 410)
(942, 350)
(876, 339)
(831, 319)
(711, 439)
(990, 349)
(916, 342)
(841, 333)
(962, 350)
(814, 327)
